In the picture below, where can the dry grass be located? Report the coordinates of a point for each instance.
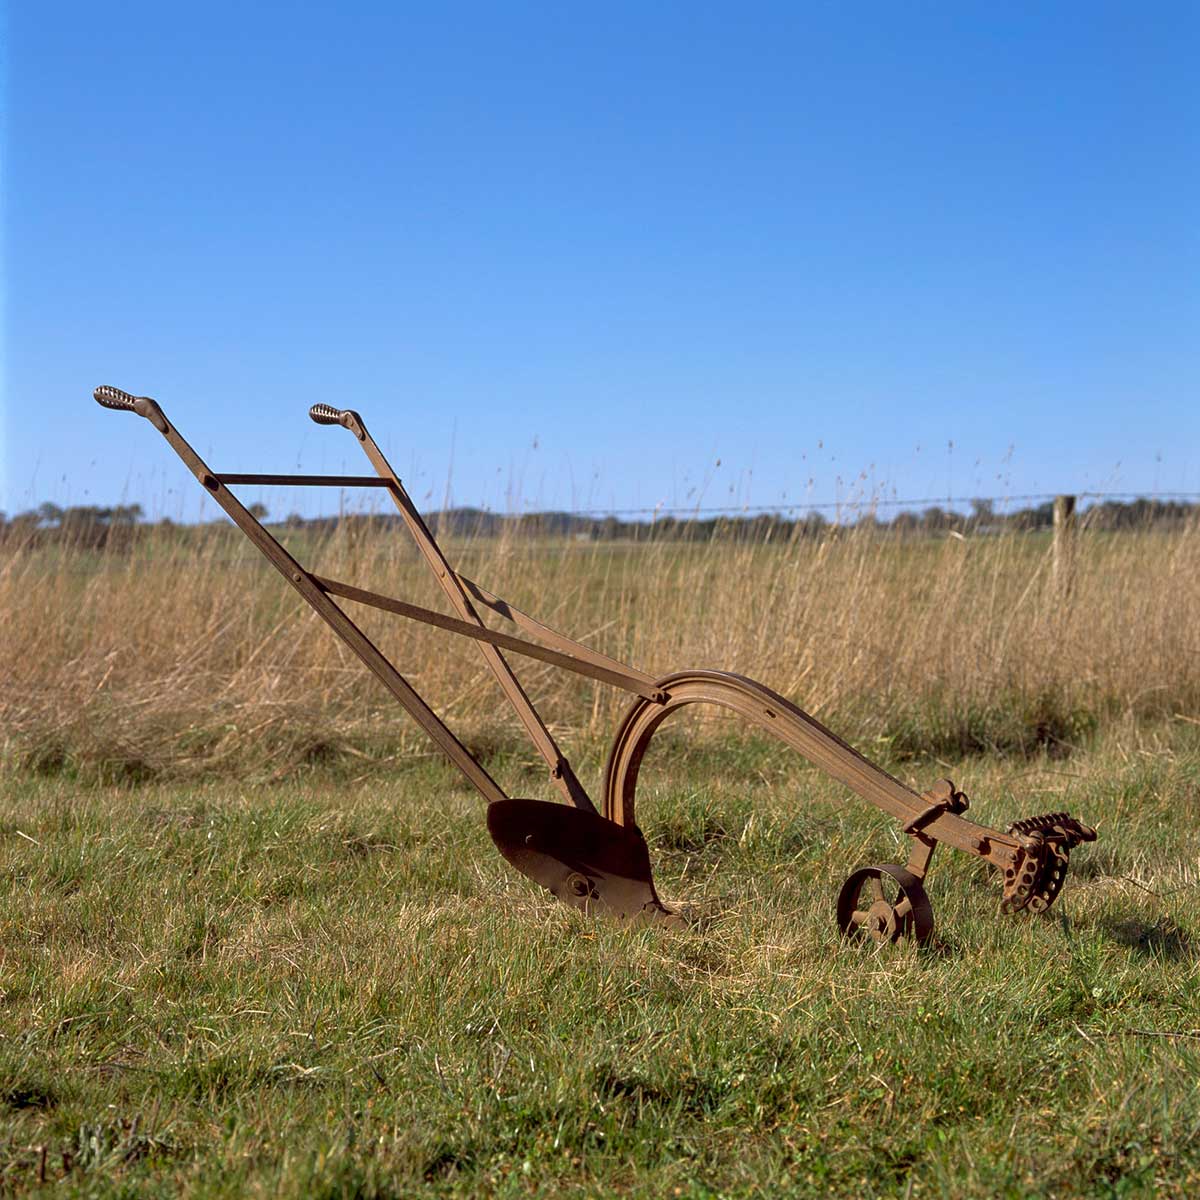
(188, 654)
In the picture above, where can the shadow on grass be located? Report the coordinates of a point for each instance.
(29, 1094)
(1152, 939)
(447, 1160)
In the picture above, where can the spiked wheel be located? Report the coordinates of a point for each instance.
(886, 903)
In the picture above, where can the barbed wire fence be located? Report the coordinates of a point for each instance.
(861, 504)
(853, 506)
(1060, 514)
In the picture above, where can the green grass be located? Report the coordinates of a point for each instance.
(334, 986)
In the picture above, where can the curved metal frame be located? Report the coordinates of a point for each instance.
(794, 727)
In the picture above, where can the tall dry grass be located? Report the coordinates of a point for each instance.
(187, 652)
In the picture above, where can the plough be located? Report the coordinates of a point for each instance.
(595, 858)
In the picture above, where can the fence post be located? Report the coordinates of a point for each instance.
(1063, 554)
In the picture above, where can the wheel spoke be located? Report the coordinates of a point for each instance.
(876, 887)
(904, 907)
(857, 918)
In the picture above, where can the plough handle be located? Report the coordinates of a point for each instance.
(312, 591)
(561, 771)
(111, 397)
(326, 414)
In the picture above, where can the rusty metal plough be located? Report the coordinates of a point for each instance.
(596, 859)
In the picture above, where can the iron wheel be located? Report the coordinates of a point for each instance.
(885, 903)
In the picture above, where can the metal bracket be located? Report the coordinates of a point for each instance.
(943, 797)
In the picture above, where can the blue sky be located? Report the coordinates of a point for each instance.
(573, 255)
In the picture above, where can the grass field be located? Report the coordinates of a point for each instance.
(257, 942)
(335, 988)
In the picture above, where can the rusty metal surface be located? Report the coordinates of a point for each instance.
(600, 863)
(1037, 877)
(587, 862)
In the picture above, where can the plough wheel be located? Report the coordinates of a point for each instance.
(887, 903)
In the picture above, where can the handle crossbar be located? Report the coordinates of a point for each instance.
(370, 481)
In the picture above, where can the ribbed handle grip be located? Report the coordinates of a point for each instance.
(325, 414)
(111, 397)
(347, 418)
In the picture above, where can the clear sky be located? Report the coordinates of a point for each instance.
(569, 255)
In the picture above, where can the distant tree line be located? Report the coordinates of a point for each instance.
(88, 525)
(97, 527)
